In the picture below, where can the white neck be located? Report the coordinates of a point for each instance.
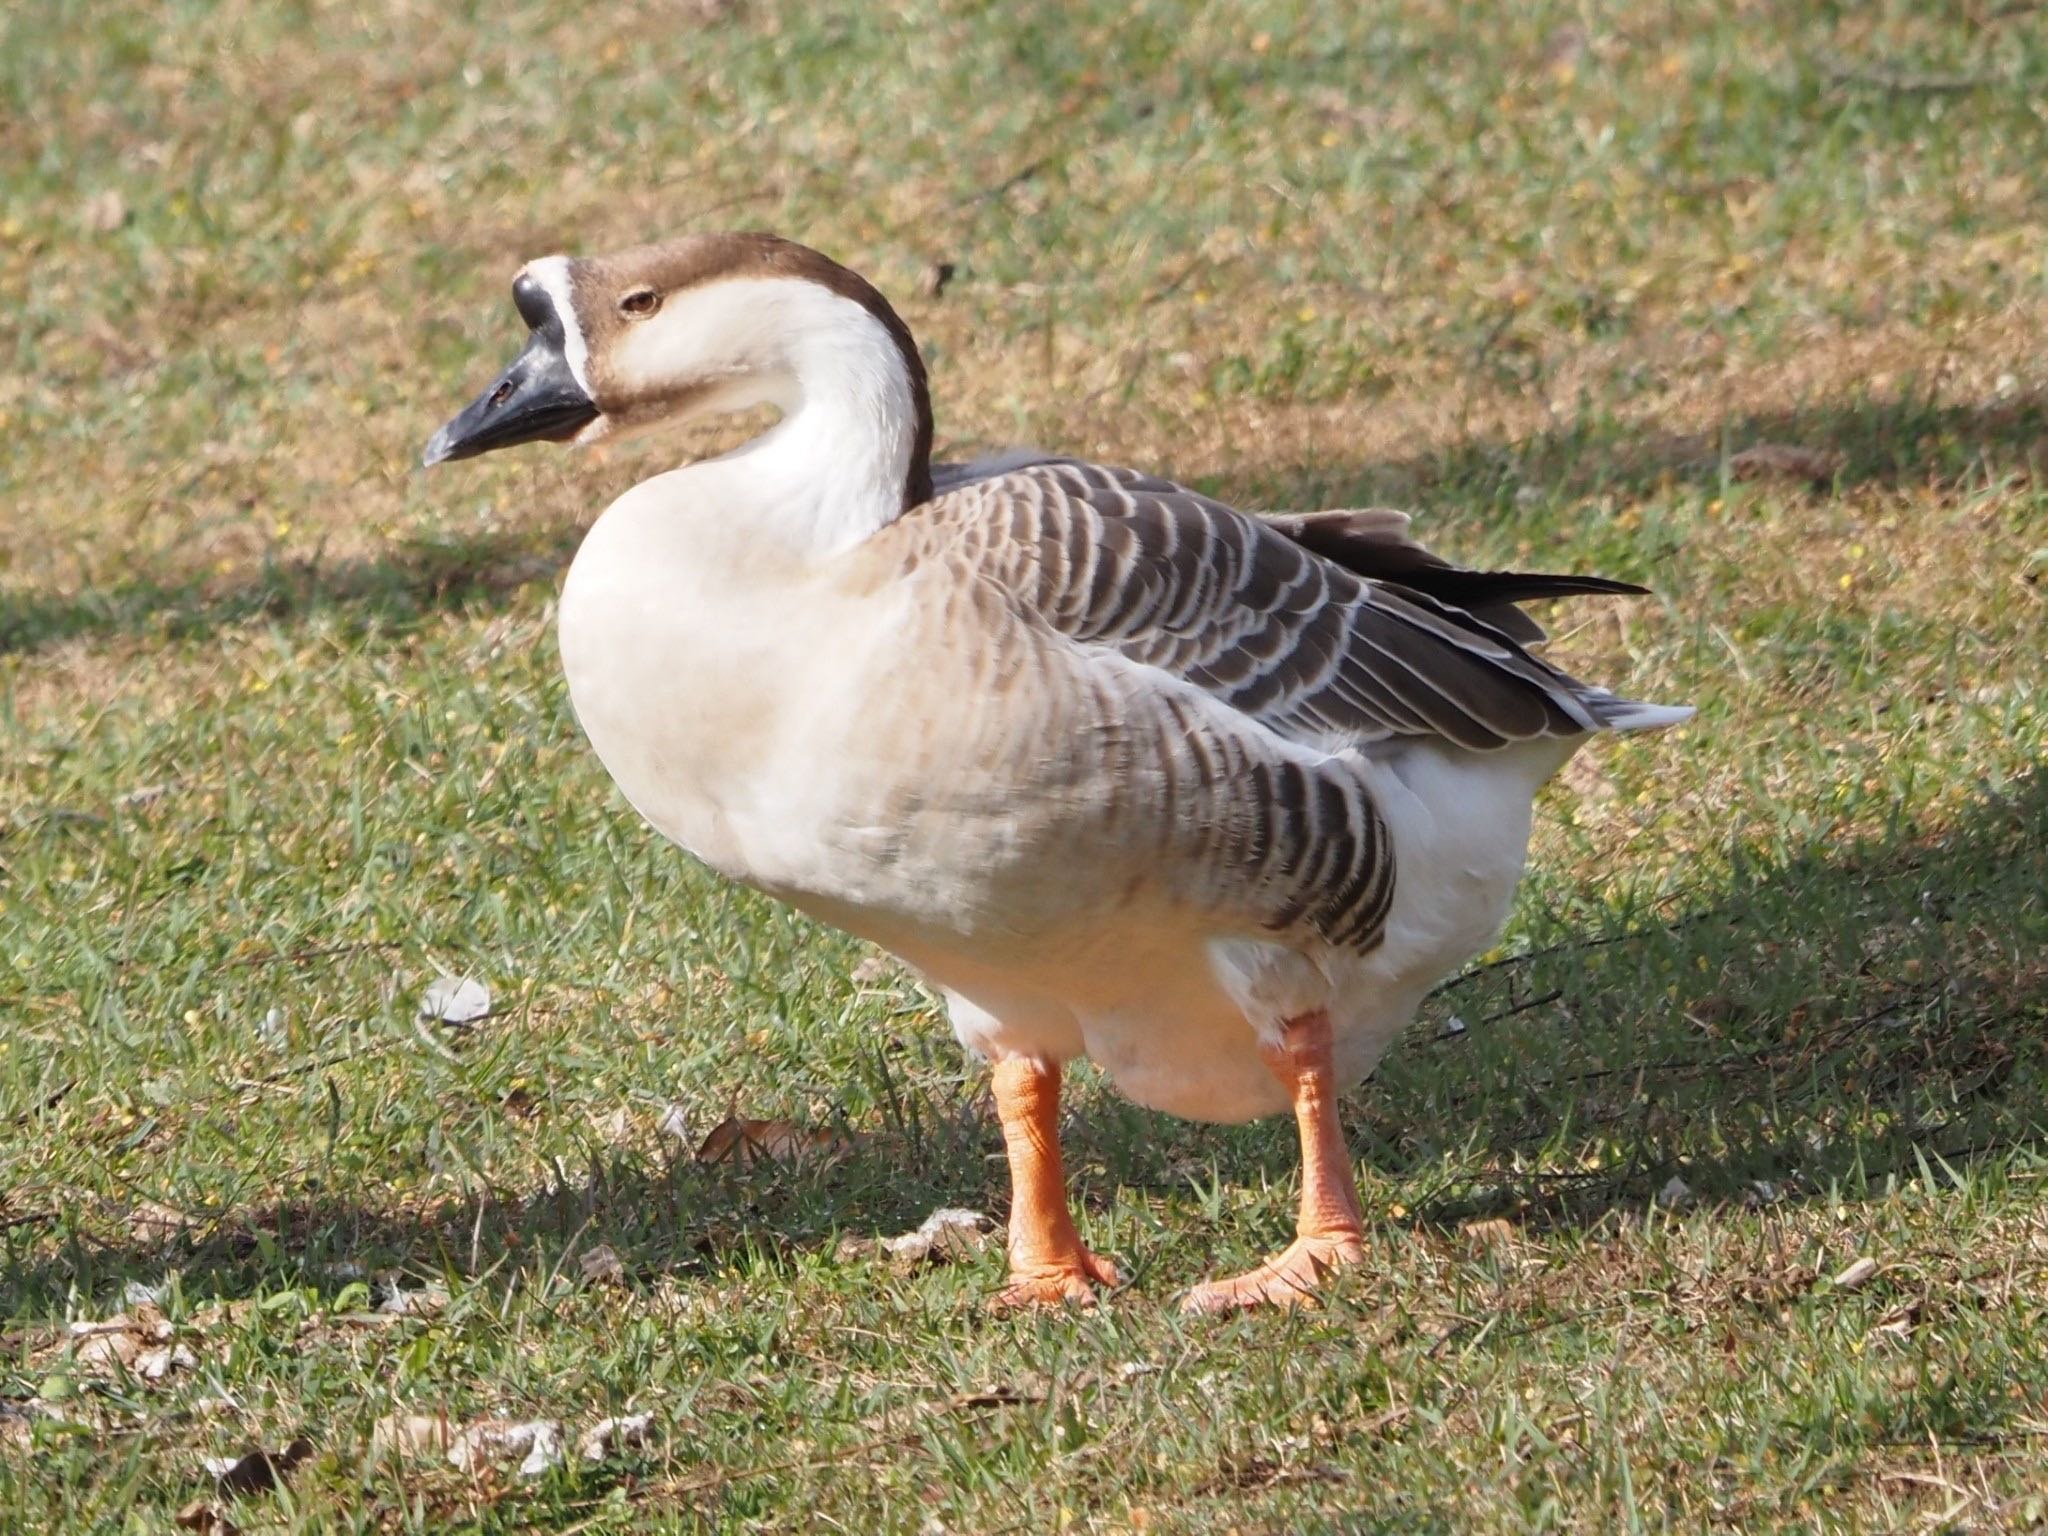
(840, 454)
(831, 473)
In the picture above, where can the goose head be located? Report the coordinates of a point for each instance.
(703, 325)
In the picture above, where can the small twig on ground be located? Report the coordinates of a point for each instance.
(371, 1048)
(1458, 1027)
(1009, 183)
(320, 952)
(49, 1102)
(333, 1058)
(1535, 1002)
(1573, 946)
(1087, 138)
(1465, 1325)
(1172, 284)
(288, 957)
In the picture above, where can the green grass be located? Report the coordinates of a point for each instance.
(282, 736)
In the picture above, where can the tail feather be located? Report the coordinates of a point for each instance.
(1375, 543)
(1618, 714)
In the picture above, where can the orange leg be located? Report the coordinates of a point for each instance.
(1048, 1265)
(1329, 1231)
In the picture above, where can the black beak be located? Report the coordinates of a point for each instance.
(537, 399)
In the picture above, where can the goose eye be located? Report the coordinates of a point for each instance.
(640, 303)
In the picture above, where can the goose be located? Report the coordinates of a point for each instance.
(1209, 798)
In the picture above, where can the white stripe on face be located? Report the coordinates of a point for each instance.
(552, 273)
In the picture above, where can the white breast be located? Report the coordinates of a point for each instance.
(714, 679)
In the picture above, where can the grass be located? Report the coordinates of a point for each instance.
(284, 737)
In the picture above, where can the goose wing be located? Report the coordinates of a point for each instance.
(1329, 629)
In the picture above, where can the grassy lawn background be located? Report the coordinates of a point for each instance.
(282, 737)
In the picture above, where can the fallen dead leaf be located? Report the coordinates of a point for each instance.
(1491, 1233)
(946, 1236)
(141, 1345)
(872, 969)
(146, 1322)
(201, 1516)
(539, 1441)
(737, 1138)
(152, 1222)
(628, 1432)
(1786, 461)
(19, 1419)
(218, 1314)
(109, 1353)
(455, 1000)
(1856, 1275)
(254, 1471)
(412, 1434)
(520, 1103)
(394, 1300)
(601, 1265)
(103, 212)
(155, 1364)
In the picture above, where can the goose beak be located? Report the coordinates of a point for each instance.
(537, 399)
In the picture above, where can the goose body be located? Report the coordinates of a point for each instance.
(1208, 798)
(1050, 832)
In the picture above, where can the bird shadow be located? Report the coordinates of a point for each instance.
(661, 1212)
(1867, 439)
(1824, 1024)
(1841, 1020)
(1842, 444)
(392, 590)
